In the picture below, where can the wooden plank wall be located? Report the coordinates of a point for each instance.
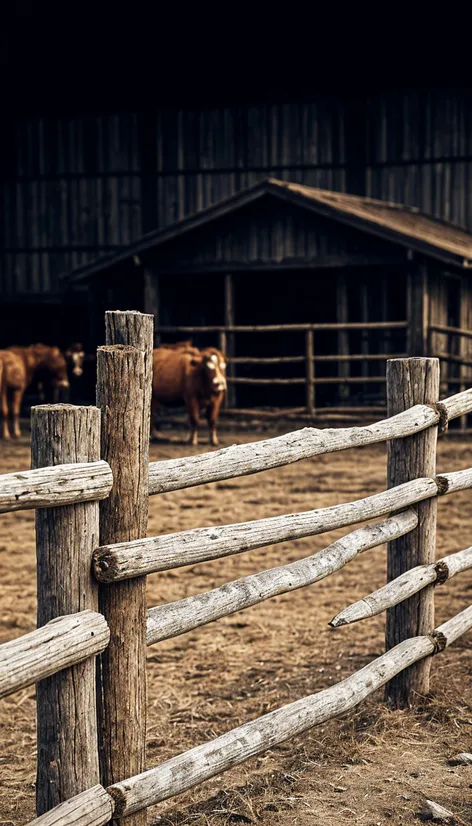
(79, 187)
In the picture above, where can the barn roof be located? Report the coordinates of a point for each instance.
(397, 223)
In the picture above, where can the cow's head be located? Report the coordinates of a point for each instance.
(75, 355)
(214, 366)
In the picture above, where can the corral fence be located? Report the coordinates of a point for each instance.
(90, 484)
(340, 355)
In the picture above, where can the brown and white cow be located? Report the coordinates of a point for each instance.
(195, 377)
(19, 366)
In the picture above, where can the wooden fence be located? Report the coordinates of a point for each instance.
(310, 358)
(90, 485)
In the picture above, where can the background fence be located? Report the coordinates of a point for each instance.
(90, 484)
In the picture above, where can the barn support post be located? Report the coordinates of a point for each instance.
(124, 386)
(231, 350)
(418, 309)
(343, 338)
(65, 539)
(151, 304)
(409, 382)
(310, 372)
(465, 346)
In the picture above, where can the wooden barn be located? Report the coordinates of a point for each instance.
(308, 291)
(275, 173)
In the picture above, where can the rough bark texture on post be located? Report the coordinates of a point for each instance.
(409, 382)
(65, 539)
(124, 375)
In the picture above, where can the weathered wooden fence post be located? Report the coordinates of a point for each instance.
(124, 387)
(65, 538)
(310, 373)
(409, 382)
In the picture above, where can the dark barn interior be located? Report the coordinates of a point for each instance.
(308, 292)
(96, 153)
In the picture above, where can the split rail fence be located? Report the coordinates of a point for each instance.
(90, 484)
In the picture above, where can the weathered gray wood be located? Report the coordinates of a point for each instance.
(65, 537)
(91, 808)
(62, 642)
(405, 586)
(462, 759)
(294, 328)
(409, 382)
(124, 377)
(209, 759)
(52, 486)
(243, 460)
(433, 811)
(174, 618)
(310, 372)
(160, 553)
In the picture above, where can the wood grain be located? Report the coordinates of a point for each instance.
(174, 618)
(124, 376)
(65, 538)
(62, 642)
(91, 808)
(409, 382)
(53, 486)
(216, 756)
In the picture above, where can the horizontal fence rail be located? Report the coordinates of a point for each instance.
(300, 359)
(243, 460)
(125, 560)
(405, 586)
(209, 759)
(294, 328)
(94, 807)
(302, 380)
(60, 643)
(458, 331)
(48, 487)
(174, 618)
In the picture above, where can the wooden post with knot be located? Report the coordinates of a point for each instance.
(124, 387)
(412, 381)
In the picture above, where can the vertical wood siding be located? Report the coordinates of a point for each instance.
(79, 188)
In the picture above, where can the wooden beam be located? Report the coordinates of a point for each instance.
(151, 304)
(417, 309)
(229, 315)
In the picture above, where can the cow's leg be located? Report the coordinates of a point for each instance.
(193, 410)
(212, 412)
(16, 399)
(5, 428)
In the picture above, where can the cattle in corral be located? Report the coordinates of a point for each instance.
(196, 378)
(178, 345)
(20, 365)
(75, 357)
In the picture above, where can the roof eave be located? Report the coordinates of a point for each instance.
(407, 241)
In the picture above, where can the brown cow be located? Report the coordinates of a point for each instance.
(19, 367)
(194, 377)
(75, 357)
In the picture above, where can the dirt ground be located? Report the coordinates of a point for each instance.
(372, 767)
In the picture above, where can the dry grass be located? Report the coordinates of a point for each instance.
(372, 767)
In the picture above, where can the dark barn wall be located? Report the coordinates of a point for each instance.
(77, 188)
